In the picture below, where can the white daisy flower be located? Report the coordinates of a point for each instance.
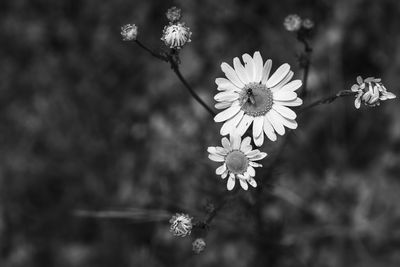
(250, 95)
(370, 91)
(176, 35)
(238, 159)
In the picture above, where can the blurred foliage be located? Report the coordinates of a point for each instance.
(90, 122)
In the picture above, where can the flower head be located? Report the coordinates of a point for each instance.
(173, 14)
(308, 24)
(292, 23)
(198, 245)
(370, 91)
(129, 32)
(238, 158)
(181, 224)
(249, 95)
(176, 35)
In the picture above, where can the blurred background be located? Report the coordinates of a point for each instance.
(89, 122)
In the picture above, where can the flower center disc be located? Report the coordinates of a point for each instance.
(236, 162)
(262, 99)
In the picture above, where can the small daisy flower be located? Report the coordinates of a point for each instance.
(249, 95)
(173, 14)
(129, 32)
(292, 23)
(238, 158)
(176, 35)
(198, 245)
(370, 91)
(181, 225)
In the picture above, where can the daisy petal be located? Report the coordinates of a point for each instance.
(226, 144)
(284, 111)
(227, 113)
(284, 95)
(254, 164)
(216, 158)
(221, 169)
(226, 85)
(235, 141)
(249, 66)
(274, 120)
(258, 125)
(231, 75)
(240, 70)
(283, 82)
(246, 142)
(223, 105)
(231, 124)
(292, 103)
(243, 184)
(231, 183)
(269, 130)
(278, 76)
(266, 71)
(258, 67)
(357, 103)
(252, 182)
(226, 96)
(259, 156)
(293, 85)
(251, 171)
(244, 124)
(259, 140)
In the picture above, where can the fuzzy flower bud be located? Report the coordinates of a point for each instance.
(308, 24)
(370, 91)
(173, 14)
(129, 32)
(181, 225)
(176, 35)
(198, 245)
(292, 23)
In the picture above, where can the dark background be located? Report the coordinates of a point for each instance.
(89, 122)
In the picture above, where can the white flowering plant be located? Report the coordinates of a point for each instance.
(257, 106)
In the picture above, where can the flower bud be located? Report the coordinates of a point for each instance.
(181, 225)
(292, 23)
(176, 35)
(129, 32)
(198, 245)
(173, 14)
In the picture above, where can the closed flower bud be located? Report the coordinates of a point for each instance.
(181, 225)
(198, 245)
(173, 14)
(292, 23)
(129, 32)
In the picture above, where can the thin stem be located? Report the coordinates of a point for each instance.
(305, 62)
(327, 100)
(178, 73)
(173, 60)
(154, 54)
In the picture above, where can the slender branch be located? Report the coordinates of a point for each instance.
(327, 100)
(305, 62)
(174, 61)
(178, 73)
(154, 54)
